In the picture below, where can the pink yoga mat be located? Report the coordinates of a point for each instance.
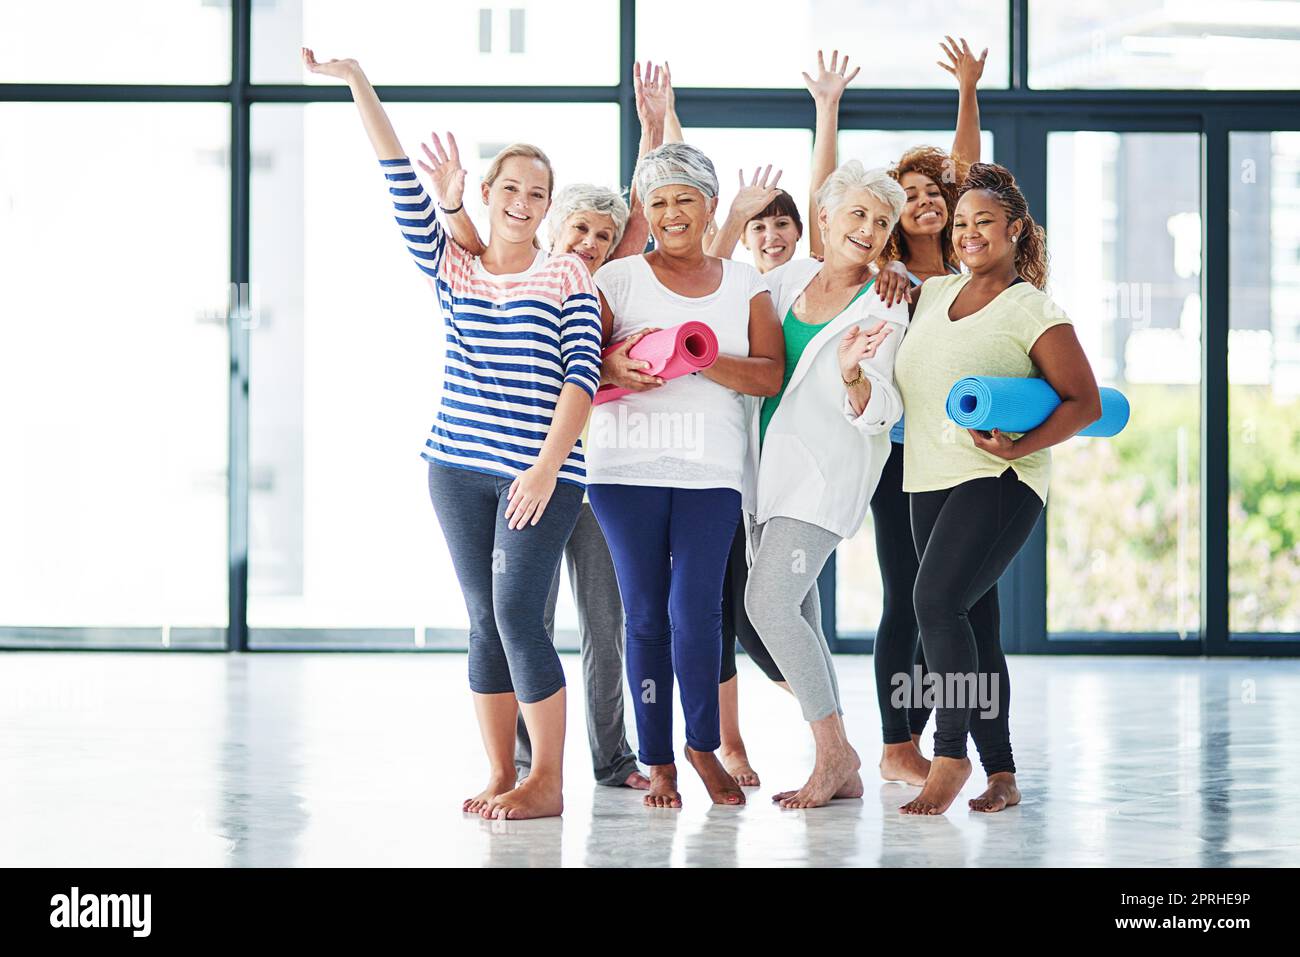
(674, 352)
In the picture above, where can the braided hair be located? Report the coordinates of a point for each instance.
(1031, 248)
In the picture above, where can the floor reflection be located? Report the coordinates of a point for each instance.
(288, 760)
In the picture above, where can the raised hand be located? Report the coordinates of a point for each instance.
(962, 63)
(339, 69)
(857, 345)
(653, 93)
(755, 195)
(444, 171)
(829, 85)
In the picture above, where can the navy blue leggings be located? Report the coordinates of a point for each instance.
(670, 549)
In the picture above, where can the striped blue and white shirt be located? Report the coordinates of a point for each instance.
(512, 342)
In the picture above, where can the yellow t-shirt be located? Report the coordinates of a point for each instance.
(936, 352)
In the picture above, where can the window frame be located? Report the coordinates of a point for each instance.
(1020, 120)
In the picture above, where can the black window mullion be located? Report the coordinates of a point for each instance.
(1019, 21)
(1214, 384)
(238, 326)
(628, 125)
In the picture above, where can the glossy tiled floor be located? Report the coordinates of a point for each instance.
(260, 760)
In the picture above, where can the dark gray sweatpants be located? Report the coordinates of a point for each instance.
(600, 633)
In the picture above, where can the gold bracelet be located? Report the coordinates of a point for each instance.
(853, 382)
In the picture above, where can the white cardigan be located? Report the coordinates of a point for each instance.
(820, 464)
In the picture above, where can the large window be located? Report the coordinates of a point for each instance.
(1264, 377)
(89, 41)
(346, 348)
(519, 42)
(1160, 44)
(768, 43)
(184, 211)
(1124, 236)
(114, 371)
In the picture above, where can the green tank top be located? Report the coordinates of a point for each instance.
(797, 336)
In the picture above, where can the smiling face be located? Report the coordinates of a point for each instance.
(678, 217)
(771, 241)
(982, 234)
(855, 232)
(518, 198)
(926, 212)
(589, 236)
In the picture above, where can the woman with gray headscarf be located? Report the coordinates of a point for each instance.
(667, 461)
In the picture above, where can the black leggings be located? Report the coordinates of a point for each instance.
(897, 648)
(735, 621)
(966, 537)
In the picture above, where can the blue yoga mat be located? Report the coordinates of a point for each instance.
(1018, 405)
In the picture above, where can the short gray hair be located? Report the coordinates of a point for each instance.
(585, 198)
(850, 176)
(675, 163)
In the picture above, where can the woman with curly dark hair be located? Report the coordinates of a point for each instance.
(975, 496)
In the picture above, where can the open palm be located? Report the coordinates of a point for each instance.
(339, 69)
(962, 63)
(829, 84)
(444, 171)
(653, 94)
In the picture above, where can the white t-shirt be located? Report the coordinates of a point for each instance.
(690, 432)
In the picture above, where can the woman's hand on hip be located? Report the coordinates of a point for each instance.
(529, 494)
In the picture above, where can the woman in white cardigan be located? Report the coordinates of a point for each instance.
(821, 444)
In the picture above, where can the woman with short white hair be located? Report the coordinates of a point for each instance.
(821, 443)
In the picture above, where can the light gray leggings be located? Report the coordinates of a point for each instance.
(785, 609)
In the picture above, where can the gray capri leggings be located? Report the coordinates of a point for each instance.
(505, 575)
(785, 609)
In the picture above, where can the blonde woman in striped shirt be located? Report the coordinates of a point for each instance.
(506, 471)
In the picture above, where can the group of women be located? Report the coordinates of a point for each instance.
(699, 511)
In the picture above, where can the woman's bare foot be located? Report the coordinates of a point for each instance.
(835, 775)
(736, 761)
(903, 762)
(947, 777)
(1000, 794)
(637, 781)
(722, 787)
(541, 795)
(499, 782)
(663, 787)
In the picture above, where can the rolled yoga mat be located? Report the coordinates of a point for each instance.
(674, 352)
(1018, 405)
